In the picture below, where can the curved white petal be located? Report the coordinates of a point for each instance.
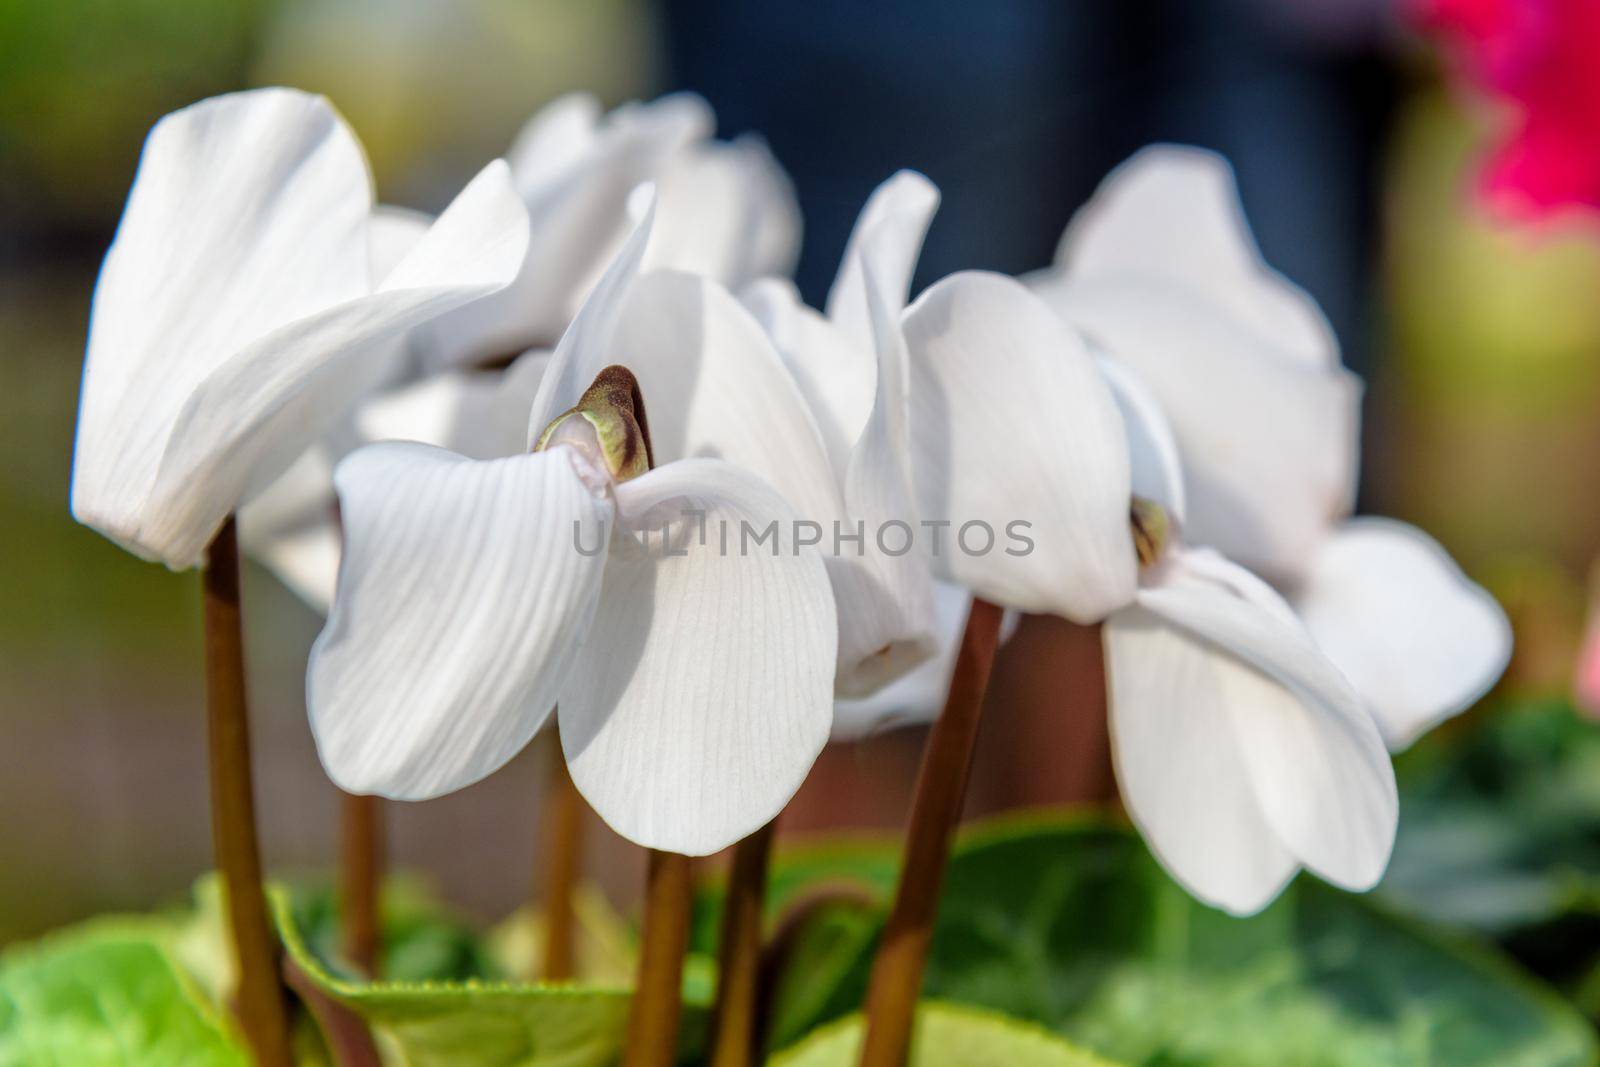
(249, 211)
(1269, 445)
(892, 223)
(1315, 759)
(1013, 424)
(578, 222)
(248, 419)
(705, 690)
(1173, 212)
(481, 414)
(728, 212)
(884, 586)
(463, 598)
(838, 382)
(1415, 636)
(714, 386)
(918, 695)
(1155, 466)
(290, 529)
(554, 139)
(392, 233)
(1179, 768)
(586, 347)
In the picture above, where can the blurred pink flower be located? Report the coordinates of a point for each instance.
(1537, 56)
(1586, 681)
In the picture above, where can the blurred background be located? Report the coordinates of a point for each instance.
(1481, 343)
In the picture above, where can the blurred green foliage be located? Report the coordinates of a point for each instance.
(82, 80)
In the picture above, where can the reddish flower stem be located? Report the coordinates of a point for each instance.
(658, 995)
(260, 1001)
(733, 1026)
(561, 861)
(896, 980)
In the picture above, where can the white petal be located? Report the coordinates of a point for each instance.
(1315, 759)
(1012, 423)
(1269, 444)
(1173, 212)
(291, 530)
(479, 413)
(918, 695)
(249, 211)
(728, 212)
(838, 382)
(392, 234)
(884, 586)
(586, 346)
(893, 223)
(1415, 636)
(464, 595)
(578, 221)
(1157, 470)
(705, 691)
(1179, 768)
(554, 139)
(714, 386)
(249, 418)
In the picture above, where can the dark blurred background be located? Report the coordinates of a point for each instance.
(1479, 343)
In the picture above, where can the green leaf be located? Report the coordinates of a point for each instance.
(107, 992)
(484, 1023)
(947, 1035)
(1071, 924)
(1500, 833)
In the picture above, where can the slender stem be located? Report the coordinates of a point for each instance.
(349, 1041)
(562, 859)
(658, 994)
(733, 1026)
(361, 863)
(896, 980)
(262, 1008)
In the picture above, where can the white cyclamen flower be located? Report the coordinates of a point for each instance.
(1241, 752)
(238, 311)
(717, 387)
(726, 211)
(693, 686)
(1160, 269)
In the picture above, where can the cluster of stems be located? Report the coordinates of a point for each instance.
(652, 1034)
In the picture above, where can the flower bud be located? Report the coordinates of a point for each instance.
(609, 415)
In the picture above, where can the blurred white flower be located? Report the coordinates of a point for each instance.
(239, 310)
(725, 210)
(1241, 751)
(1161, 270)
(694, 685)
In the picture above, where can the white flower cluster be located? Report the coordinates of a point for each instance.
(363, 385)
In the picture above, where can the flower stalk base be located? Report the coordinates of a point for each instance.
(561, 860)
(896, 980)
(658, 994)
(733, 1026)
(361, 865)
(260, 998)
